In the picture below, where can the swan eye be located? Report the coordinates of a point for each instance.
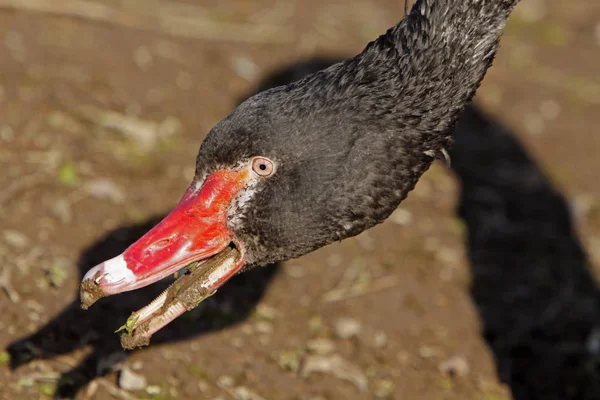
(263, 166)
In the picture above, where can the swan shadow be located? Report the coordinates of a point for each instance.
(532, 284)
(75, 328)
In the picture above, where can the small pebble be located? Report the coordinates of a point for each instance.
(267, 312)
(137, 365)
(427, 352)
(247, 330)
(320, 346)
(34, 305)
(243, 393)
(105, 189)
(245, 68)
(455, 366)
(380, 339)
(131, 381)
(338, 367)
(153, 390)
(225, 381)
(346, 328)
(583, 204)
(203, 386)
(33, 316)
(15, 239)
(401, 217)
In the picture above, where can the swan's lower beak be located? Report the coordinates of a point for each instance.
(195, 232)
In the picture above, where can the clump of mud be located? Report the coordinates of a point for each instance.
(89, 293)
(130, 342)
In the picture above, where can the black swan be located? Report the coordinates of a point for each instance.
(300, 166)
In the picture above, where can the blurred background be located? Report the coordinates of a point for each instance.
(482, 285)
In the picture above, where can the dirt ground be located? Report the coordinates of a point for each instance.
(481, 286)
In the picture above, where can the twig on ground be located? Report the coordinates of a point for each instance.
(6, 285)
(356, 281)
(360, 289)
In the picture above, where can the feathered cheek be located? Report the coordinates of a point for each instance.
(236, 214)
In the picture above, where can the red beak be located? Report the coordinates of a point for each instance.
(195, 230)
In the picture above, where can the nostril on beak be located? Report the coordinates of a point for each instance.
(160, 244)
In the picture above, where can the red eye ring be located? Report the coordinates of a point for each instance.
(263, 166)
